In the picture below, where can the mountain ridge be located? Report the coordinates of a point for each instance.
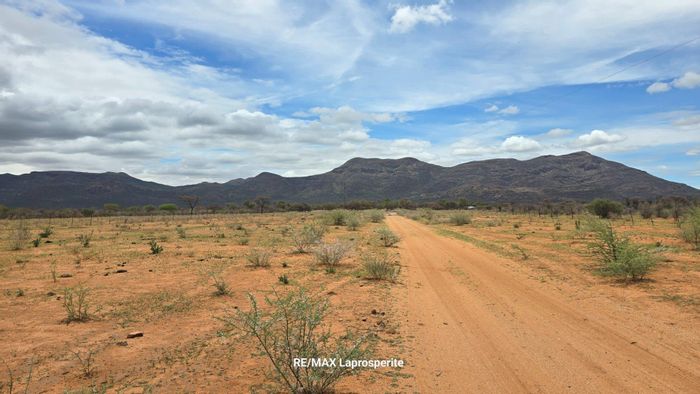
(578, 176)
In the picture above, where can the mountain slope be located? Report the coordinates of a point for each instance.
(577, 176)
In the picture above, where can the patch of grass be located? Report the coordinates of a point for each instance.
(150, 306)
(85, 239)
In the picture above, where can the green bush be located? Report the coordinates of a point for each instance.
(617, 255)
(292, 327)
(387, 237)
(155, 248)
(353, 222)
(46, 233)
(605, 208)
(337, 217)
(690, 227)
(75, 302)
(380, 266)
(375, 215)
(170, 208)
(460, 219)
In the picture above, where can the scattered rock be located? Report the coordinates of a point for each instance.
(365, 319)
(122, 343)
(633, 342)
(120, 271)
(374, 311)
(66, 275)
(105, 274)
(134, 334)
(150, 270)
(50, 294)
(331, 293)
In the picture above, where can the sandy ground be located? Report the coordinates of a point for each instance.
(475, 324)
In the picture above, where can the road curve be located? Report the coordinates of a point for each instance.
(474, 325)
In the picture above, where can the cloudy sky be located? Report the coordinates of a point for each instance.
(180, 91)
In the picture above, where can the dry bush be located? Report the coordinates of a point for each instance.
(460, 219)
(259, 257)
(308, 236)
(330, 254)
(375, 215)
(19, 235)
(76, 304)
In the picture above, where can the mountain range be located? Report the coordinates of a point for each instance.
(577, 176)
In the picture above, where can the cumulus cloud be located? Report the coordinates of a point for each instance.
(689, 80)
(658, 87)
(491, 108)
(406, 17)
(519, 144)
(558, 132)
(597, 138)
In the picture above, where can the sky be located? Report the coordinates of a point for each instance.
(181, 92)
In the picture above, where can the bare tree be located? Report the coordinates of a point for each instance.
(191, 202)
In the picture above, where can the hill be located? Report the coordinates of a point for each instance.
(577, 176)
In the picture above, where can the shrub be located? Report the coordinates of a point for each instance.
(181, 232)
(387, 237)
(460, 219)
(155, 248)
(258, 257)
(84, 239)
(220, 285)
(618, 256)
(375, 215)
(20, 235)
(75, 302)
(170, 208)
(330, 254)
(46, 233)
(308, 236)
(353, 222)
(292, 327)
(243, 241)
(337, 217)
(690, 227)
(605, 208)
(36, 242)
(380, 266)
(283, 279)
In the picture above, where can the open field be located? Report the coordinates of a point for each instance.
(504, 303)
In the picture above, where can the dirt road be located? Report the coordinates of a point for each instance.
(475, 325)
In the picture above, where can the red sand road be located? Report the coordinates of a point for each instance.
(475, 325)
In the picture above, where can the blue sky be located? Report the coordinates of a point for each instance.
(181, 91)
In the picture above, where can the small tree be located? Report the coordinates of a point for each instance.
(261, 202)
(88, 213)
(690, 227)
(617, 255)
(605, 208)
(292, 328)
(111, 208)
(191, 202)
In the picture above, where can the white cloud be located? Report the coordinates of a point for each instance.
(596, 138)
(492, 108)
(559, 132)
(689, 80)
(658, 87)
(510, 110)
(519, 144)
(406, 17)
